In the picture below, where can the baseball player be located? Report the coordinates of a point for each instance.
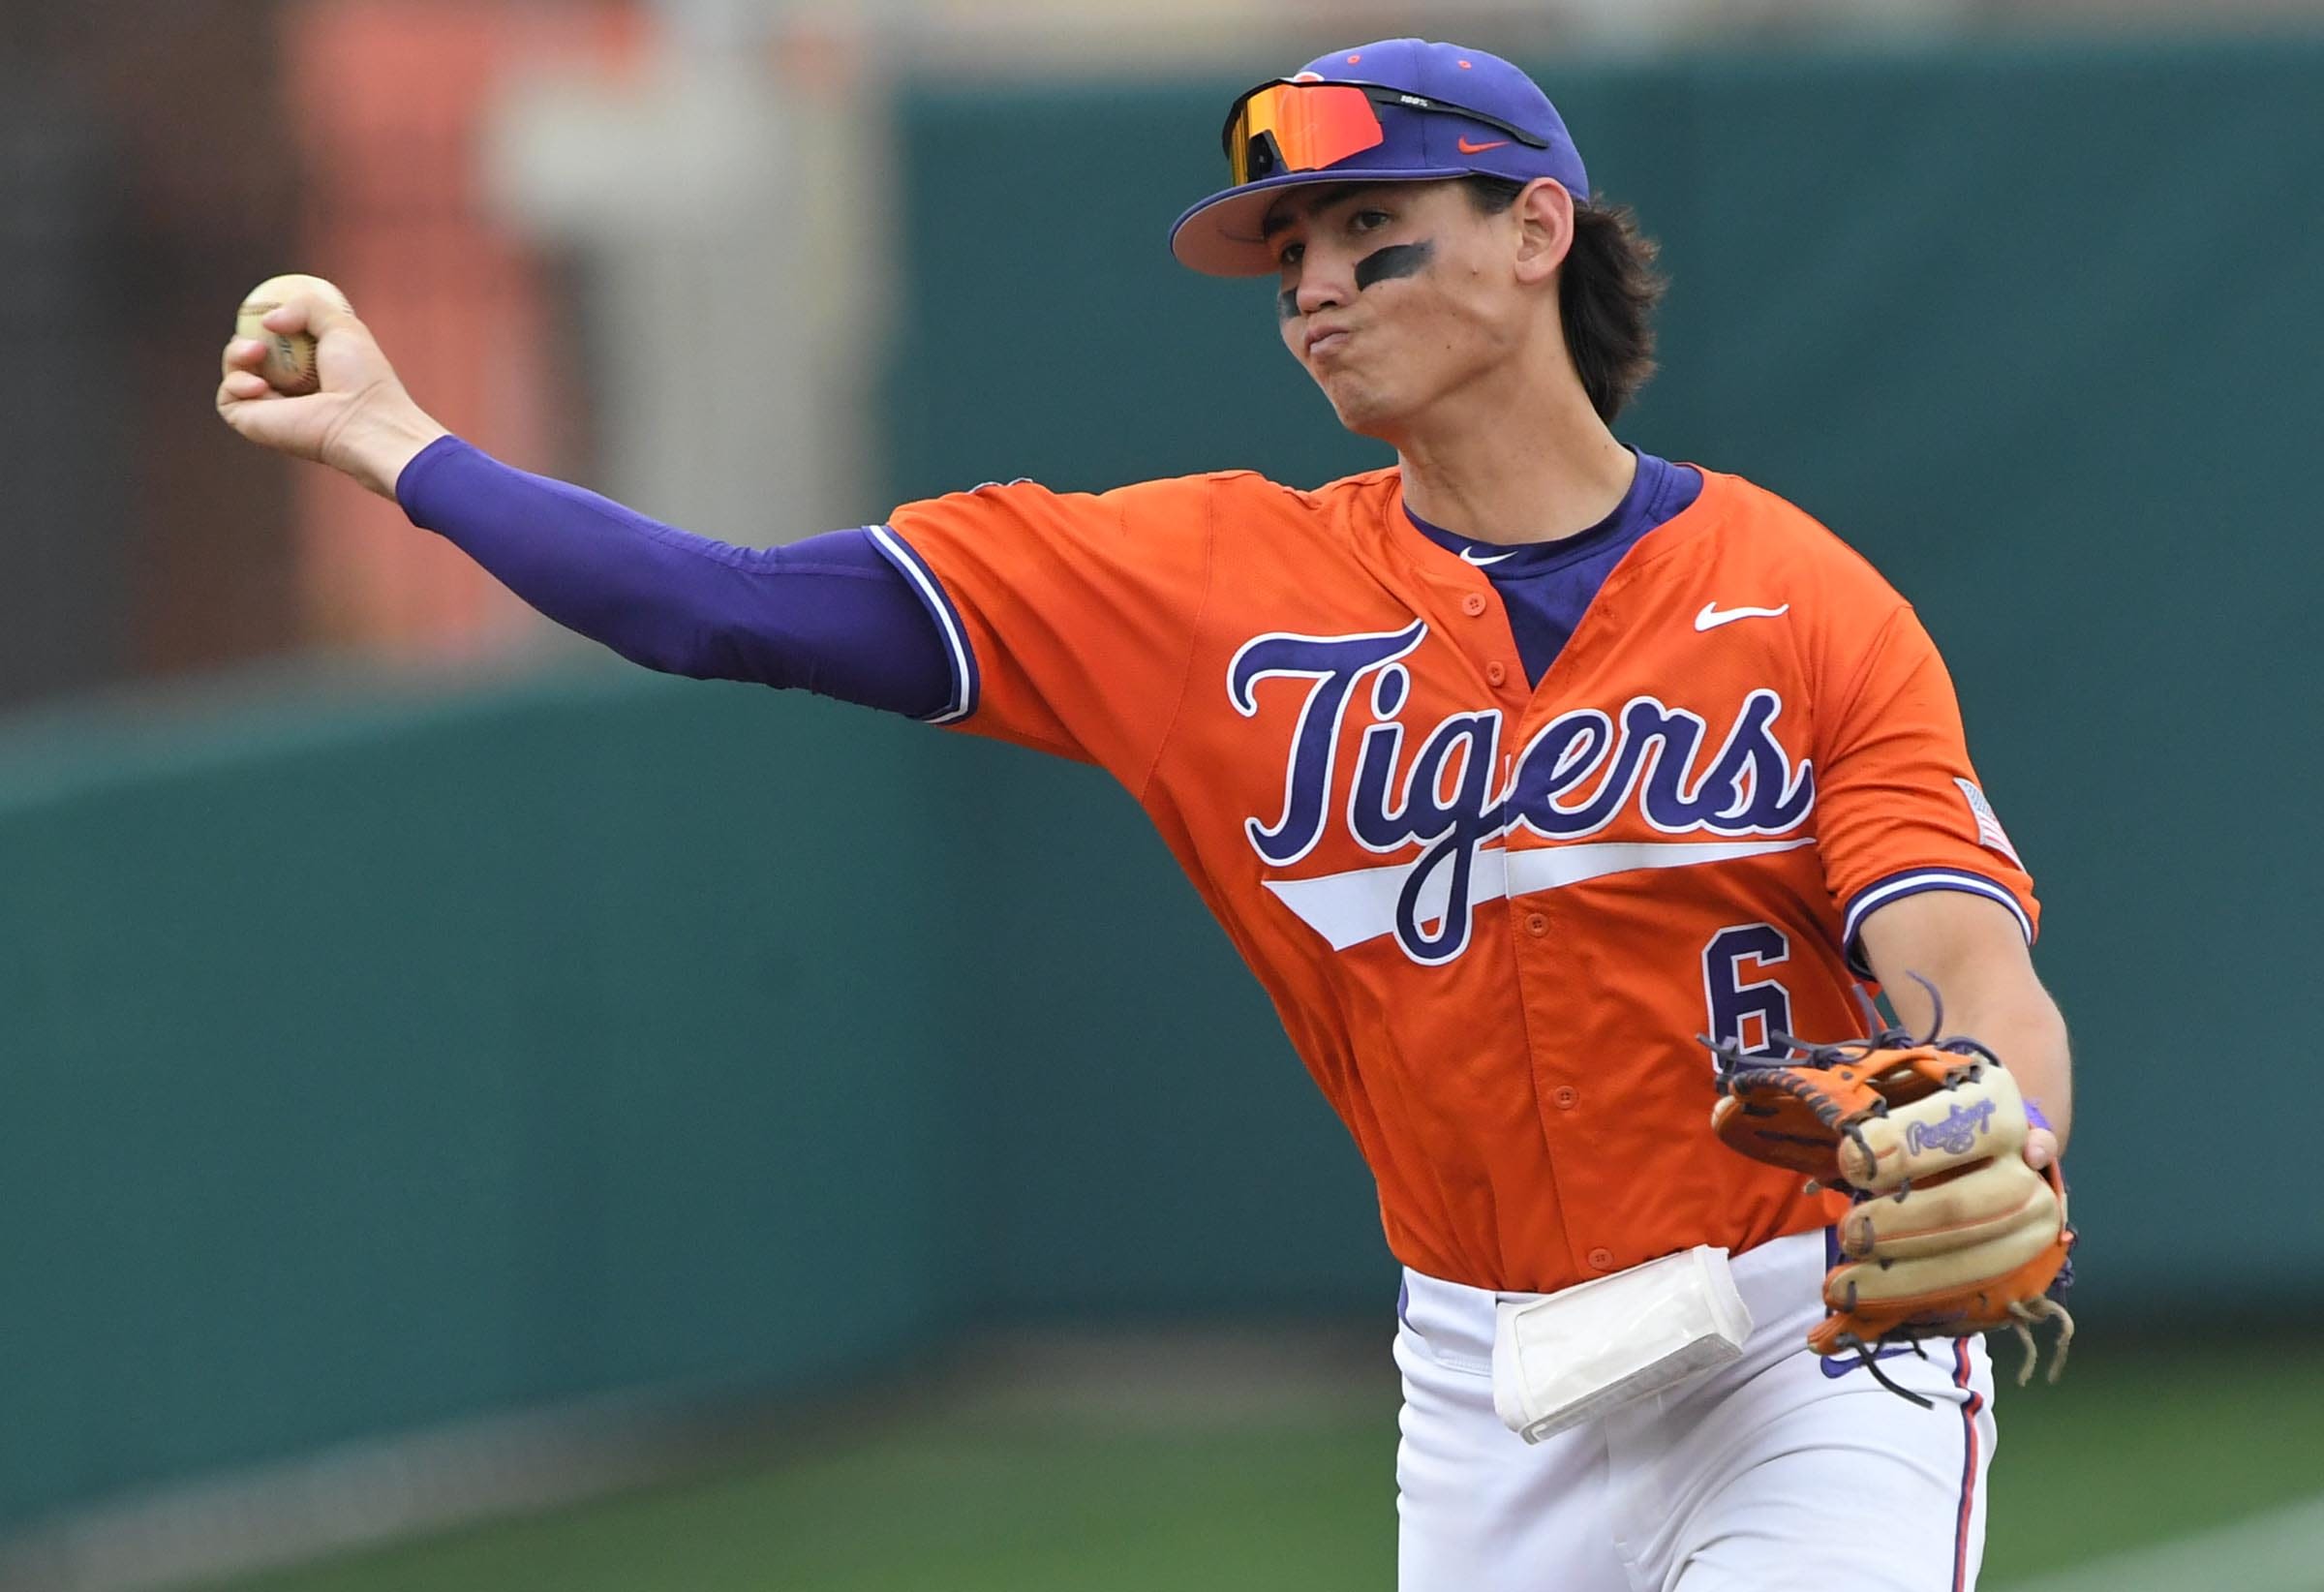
(1510, 770)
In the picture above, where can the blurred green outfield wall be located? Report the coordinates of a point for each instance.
(373, 1065)
(378, 1063)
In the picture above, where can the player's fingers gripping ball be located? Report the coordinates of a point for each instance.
(1951, 1231)
(289, 367)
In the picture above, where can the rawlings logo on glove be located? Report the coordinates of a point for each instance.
(1951, 1231)
(1955, 1134)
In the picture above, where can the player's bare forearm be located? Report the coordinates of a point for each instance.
(1972, 950)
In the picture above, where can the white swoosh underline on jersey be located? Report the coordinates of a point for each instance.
(1349, 908)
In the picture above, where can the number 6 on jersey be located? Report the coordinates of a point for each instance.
(1747, 1011)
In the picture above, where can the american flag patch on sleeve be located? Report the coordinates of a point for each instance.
(1990, 832)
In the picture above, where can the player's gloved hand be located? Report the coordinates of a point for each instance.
(362, 421)
(1959, 1222)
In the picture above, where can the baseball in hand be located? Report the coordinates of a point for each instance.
(289, 365)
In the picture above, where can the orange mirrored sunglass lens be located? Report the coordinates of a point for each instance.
(1311, 125)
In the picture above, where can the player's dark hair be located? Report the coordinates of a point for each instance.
(1607, 292)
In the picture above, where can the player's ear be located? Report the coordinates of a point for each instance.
(1544, 216)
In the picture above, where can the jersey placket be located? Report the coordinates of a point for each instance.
(1553, 955)
(1547, 941)
(1542, 952)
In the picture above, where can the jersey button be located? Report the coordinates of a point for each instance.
(1537, 923)
(1603, 1259)
(1472, 604)
(1495, 673)
(1567, 1098)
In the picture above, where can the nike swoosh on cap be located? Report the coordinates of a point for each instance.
(1468, 148)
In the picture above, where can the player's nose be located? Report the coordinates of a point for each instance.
(1323, 286)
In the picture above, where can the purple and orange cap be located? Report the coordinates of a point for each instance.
(1416, 112)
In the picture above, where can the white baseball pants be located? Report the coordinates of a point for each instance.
(1780, 1472)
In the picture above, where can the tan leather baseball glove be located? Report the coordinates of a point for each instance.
(1950, 1232)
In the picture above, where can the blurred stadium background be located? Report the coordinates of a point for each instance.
(478, 1116)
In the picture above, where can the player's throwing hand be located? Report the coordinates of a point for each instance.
(360, 421)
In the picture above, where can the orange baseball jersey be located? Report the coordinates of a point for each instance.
(1493, 917)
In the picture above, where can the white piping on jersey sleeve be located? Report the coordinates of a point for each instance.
(957, 653)
(1897, 886)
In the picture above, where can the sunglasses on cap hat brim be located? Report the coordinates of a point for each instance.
(1310, 125)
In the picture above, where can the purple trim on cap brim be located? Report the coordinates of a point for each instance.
(1229, 244)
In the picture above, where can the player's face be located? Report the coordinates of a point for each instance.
(1393, 295)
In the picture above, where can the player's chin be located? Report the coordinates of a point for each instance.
(1363, 411)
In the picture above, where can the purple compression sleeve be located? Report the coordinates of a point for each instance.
(829, 614)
